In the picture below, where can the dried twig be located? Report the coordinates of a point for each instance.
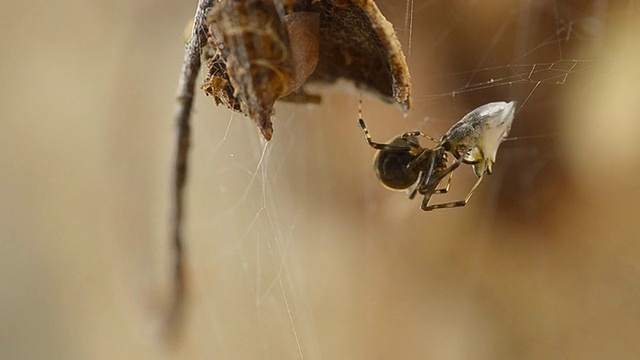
(185, 94)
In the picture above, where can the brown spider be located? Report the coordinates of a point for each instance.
(403, 164)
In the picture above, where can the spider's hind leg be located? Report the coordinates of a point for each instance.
(379, 146)
(412, 193)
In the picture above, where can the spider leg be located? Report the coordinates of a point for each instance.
(428, 186)
(431, 183)
(411, 194)
(379, 146)
(428, 190)
(446, 188)
(424, 153)
(434, 179)
(409, 134)
(452, 204)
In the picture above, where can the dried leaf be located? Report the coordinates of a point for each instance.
(262, 51)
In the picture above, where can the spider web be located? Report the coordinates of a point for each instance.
(298, 253)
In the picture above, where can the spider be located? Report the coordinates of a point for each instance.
(403, 164)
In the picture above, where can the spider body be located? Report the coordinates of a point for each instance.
(403, 164)
(392, 166)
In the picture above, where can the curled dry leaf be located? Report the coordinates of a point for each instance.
(261, 51)
(303, 29)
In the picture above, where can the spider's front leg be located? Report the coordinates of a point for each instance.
(410, 134)
(412, 193)
(421, 157)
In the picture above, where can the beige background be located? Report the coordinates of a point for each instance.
(295, 249)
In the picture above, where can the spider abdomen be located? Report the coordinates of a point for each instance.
(391, 169)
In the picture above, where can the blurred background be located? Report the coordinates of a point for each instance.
(295, 250)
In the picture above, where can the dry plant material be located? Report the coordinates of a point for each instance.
(262, 51)
(184, 102)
